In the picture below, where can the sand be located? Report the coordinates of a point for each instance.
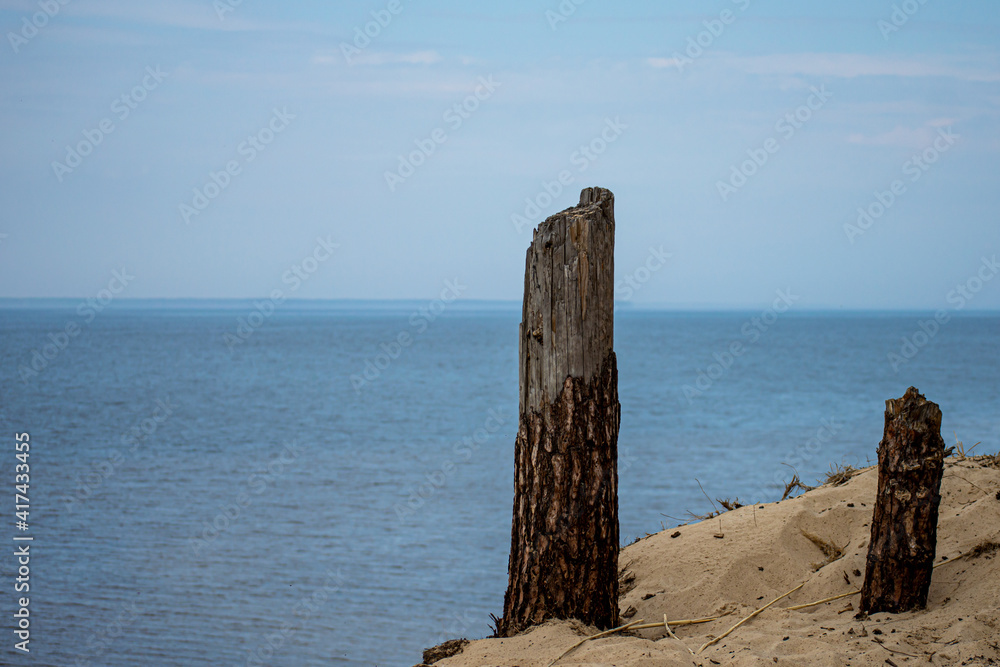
(763, 554)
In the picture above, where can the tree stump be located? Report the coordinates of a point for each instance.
(564, 536)
(904, 522)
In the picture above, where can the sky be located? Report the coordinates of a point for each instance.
(846, 153)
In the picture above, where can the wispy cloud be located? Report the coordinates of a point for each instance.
(379, 58)
(170, 14)
(851, 65)
(18, 6)
(984, 68)
(660, 63)
(416, 88)
(902, 136)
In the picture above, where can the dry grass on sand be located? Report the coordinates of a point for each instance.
(766, 552)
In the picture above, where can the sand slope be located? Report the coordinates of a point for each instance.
(762, 555)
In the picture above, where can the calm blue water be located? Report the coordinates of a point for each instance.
(352, 524)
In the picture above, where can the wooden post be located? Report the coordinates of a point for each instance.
(564, 537)
(904, 522)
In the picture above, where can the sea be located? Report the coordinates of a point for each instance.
(330, 483)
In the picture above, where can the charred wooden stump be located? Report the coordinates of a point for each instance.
(904, 523)
(564, 537)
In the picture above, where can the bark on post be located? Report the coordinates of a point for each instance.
(904, 523)
(564, 537)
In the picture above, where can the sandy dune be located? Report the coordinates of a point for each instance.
(763, 554)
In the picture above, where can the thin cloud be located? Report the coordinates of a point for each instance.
(905, 137)
(326, 58)
(660, 63)
(172, 14)
(379, 58)
(851, 65)
(385, 58)
(18, 6)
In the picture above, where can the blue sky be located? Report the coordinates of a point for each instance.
(613, 95)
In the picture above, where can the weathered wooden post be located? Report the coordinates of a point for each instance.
(564, 537)
(904, 522)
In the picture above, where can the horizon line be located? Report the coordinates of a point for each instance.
(8, 301)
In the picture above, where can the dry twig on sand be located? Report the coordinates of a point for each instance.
(960, 448)
(597, 636)
(715, 510)
(840, 473)
(696, 621)
(796, 483)
(819, 602)
(829, 549)
(881, 642)
(726, 633)
(730, 505)
(670, 632)
(983, 548)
